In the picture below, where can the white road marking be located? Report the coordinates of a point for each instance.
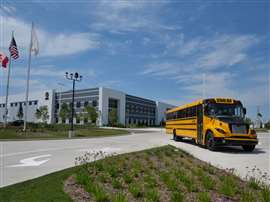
(29, 162)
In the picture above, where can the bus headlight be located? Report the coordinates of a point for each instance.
(221, 131)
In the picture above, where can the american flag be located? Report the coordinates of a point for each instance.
(13, 49)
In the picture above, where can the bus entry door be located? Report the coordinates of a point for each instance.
(200, 124)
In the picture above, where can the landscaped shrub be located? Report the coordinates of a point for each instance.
(119, 197)
(152, 195)
(136, 190)
(207, 182)
(204, 197)
(177, 197)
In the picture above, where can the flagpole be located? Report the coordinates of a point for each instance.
(27, 83)
(7, 87)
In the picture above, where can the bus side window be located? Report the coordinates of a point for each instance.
(193, 111)
(179, 114)
(184, 113)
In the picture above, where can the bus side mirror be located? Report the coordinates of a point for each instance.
(244, 111)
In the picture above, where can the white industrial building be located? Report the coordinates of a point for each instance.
(131, 109)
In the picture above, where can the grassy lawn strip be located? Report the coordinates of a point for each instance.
(56, 132)
(159, 174)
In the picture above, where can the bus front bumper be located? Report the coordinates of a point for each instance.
(235, 141)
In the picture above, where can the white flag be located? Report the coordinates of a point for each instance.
(34, 41)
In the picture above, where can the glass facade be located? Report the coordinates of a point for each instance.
(140, 111)
(82, 98)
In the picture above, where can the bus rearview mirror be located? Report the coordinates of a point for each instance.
(244, 111)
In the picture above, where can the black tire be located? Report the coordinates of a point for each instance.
(209, 141)
(248, 148)
(175, 137)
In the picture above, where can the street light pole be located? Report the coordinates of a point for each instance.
(72, 110)
(73, 77)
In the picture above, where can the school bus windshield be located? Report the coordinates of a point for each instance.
(217, 109)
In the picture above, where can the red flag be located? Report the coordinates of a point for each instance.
(3, 60)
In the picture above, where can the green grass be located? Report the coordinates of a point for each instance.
(159, 174)
(55, 131)
(177, 197)
(119, 197)
(229, 186)
(43, 189)
(208, 183)
(204, 197)
(136, 190)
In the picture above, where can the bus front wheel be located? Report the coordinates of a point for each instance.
(248, 148)
(210, 142)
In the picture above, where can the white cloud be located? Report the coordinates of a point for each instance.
(50, 44)
(7, 9)
(214, 58)
(212, 85)
(125, 16)
(50, 71)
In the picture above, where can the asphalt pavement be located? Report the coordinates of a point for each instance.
(24, 160)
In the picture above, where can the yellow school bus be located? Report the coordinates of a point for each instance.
(212, 122)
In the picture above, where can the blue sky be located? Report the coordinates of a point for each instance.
(173, 51)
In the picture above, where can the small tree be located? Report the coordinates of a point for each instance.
(113, 117)
(42, 113)
(248, 121)
(90, 113)
(20, 112)
(64, 111)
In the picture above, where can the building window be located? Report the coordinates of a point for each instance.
(35, 102)
(85, 103)
(46, 96)
(4, 105)
(78, 120)
(94, 103)
(78, 104)
(85, 120)
(30, 102)
(11, 104)
(57, 105)
(56, 120)
(16, 104)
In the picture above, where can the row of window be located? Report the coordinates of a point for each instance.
(77, 120)
(140, 121)
(139, 109)
(79, 104)
(183, 113)
(15, 104)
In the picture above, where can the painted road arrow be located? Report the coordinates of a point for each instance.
(28, 162)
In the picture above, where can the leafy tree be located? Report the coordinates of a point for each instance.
(113, 117)
(20, 112)
(248, 120)
(90, 113)
(65, 111)
(42, 113)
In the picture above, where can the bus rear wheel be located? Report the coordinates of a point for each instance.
(248, 148)
(210, 142)
(175, 137)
